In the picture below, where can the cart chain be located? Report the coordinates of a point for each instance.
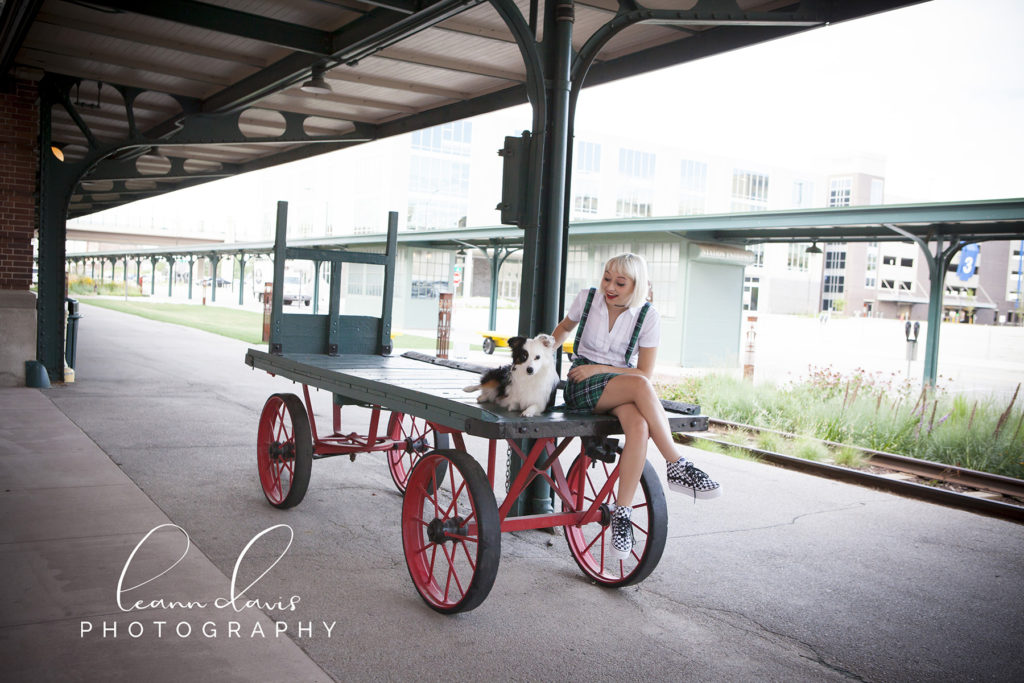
(508, 469)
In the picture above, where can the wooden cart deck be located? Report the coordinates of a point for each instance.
(414, 385)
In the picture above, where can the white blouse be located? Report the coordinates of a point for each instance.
(600, 346)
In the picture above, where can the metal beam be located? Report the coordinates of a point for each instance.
(15, 20)
(147, 38)
(230, 22)
(352, 42)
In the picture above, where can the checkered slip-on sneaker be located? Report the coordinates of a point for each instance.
(622, 532)
(686, 478)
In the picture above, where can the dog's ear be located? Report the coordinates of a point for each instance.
(546, 339)
(516, 342)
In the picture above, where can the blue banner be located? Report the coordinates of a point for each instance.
(968, 261)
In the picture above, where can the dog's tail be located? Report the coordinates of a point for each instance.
(472, 387)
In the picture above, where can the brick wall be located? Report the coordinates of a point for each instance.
(19, 171)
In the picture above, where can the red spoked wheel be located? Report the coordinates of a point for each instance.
(451, 533)
(591, 544)
(284, 450)
(413, 437)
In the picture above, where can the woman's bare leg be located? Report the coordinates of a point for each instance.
(638, 391)
(634, 451)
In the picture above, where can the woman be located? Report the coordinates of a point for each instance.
(614, 354)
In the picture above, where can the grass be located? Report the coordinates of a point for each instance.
(229, 322)
(246, 326)
(873, 411)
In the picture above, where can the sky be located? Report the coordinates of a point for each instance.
(935, 90)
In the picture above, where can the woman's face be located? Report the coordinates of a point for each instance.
(617, 288)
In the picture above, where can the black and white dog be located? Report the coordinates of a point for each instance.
(528, 384)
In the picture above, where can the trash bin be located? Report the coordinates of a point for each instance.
(71, 340)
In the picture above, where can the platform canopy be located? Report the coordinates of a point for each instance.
(158, 95)
(138, 98)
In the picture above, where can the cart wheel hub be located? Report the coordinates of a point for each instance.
(441, 530)
(282, 451)
(416, 445)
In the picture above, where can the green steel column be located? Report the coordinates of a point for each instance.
(170, 276)
(191, 270)
(138, 273)
(277, 298)
(542, 277)
(936, 289)
(126, 276)
(57, 180)
(316, 286)
(214, 265)
(492, 317)
(92, 265)
(937, 286)
(152, 275)
(241, 277)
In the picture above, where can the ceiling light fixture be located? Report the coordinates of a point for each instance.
(58, 151)
(316, 85)
(813, 249)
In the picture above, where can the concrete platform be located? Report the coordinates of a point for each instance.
(786, 577)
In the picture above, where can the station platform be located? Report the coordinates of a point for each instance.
(785, 577)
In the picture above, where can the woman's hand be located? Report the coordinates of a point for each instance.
(582, 372)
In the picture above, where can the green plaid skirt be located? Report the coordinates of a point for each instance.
(583, 396)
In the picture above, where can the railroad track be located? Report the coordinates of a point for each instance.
(958, 487)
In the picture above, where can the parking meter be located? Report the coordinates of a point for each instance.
(912, 341)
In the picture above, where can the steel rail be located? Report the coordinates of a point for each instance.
(951, 474)
(973, 479)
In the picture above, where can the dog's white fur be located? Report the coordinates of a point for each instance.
(528, 383)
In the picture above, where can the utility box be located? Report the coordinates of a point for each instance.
(515, 161)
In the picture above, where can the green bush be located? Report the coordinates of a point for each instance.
(871, 410)
(86, 286)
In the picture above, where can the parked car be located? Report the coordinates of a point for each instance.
(293, 291)
(221, 282)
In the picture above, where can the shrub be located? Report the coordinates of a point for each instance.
(872, 410)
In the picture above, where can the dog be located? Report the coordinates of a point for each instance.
(529, 383)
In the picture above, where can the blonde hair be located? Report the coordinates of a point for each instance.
(634, 267)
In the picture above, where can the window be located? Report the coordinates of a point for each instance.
(364, 278)
(588, 157)
(869, 282)
(834, 284)
(888, 260)
(871, 264)
(906, 286)
(585, 204)
(835, 259)
(888, 284)
(450, 138)
(663, 263)
(798, 258)
(751, 288)
(840, 191)
(907, 262)
(693, 187)
(803, 191)
(430, 272)
(578, 273)
(758, 251)
(749, 191)
(636, 164)
(636, 203)
(438, 192)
